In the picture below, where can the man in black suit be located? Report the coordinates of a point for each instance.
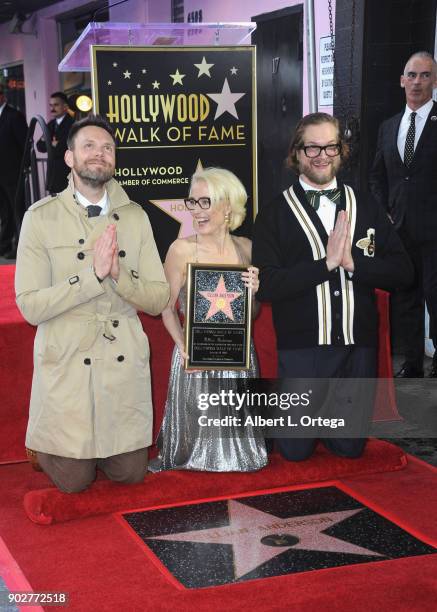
(59, 127)
(404, 180)
(13, 130)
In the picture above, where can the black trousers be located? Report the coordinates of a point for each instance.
(7, 214)
(411, 301)
(326, 362)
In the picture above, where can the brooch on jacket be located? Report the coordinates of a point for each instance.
(368, 244)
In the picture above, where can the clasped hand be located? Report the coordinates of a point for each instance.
(339, 248)
(105, 260)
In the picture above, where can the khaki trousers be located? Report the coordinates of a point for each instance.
(74, 475)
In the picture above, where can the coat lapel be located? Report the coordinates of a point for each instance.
(393, 136)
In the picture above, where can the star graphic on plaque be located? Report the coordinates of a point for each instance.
(204, 68)
(155, 84)
(257, 536)
(220, 300)
(225, 101)
(127, 74)
(234, 70)
(177, 77)
(175, 208)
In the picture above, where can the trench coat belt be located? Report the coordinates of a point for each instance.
(99, 323)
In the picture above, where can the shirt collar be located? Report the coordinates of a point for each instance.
(423, 111)
(2, 107)
(103, 203)
(306, 187)
(60, 119)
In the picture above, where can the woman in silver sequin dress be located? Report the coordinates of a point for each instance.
(217, 203)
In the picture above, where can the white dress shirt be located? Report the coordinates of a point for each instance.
(421, 117)
(103, 203)
(326, 210)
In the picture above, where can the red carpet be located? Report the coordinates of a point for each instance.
(103, 569)
(46, 506)
(13, 577)
(16, 348)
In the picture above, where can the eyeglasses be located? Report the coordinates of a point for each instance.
(204, 203)
(331, 150)
(423, 76)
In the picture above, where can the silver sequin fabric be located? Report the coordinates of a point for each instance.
(184, 444)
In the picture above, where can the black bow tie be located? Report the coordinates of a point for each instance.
(313, 196)
(94, 210)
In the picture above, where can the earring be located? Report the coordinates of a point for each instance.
(227, 217)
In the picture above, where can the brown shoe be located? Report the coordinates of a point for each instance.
(33, 460)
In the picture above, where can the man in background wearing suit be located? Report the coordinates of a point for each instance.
(59, 127)
(13, 130)
(404, 180)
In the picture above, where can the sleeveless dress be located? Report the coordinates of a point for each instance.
(186, 445)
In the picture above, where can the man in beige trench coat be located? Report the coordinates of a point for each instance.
(86, 262)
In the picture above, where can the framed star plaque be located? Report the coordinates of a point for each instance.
(218, 318)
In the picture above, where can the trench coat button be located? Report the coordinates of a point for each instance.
(81, 240)
(116, 217)
(134, 273)
(73, 280)
(120, 358)
(122, 253)
(115, 323)
(87, 361)
(336, 293)
(81, 255)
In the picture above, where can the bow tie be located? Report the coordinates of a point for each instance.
(313, 196)
(94, 210)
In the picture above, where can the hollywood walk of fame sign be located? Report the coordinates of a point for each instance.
(272, 534)
(171, 108)
(218, 318)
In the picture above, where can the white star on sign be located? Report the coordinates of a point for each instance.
(144, 71)
(115, 64)
(234, 70)
(249, 526)
(226, 101)
(127, 74)
(176, 209)
(155, 85)
(204, 68)
(109, 82)
(138, 86)
(177, 77)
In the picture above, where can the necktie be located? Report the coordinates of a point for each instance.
(313, 197)
(93, 210)
(409, 141)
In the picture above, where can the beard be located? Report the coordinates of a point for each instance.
(321, 175)
(94, 176)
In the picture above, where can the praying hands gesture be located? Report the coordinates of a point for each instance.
(339, 248)
(105, 261)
